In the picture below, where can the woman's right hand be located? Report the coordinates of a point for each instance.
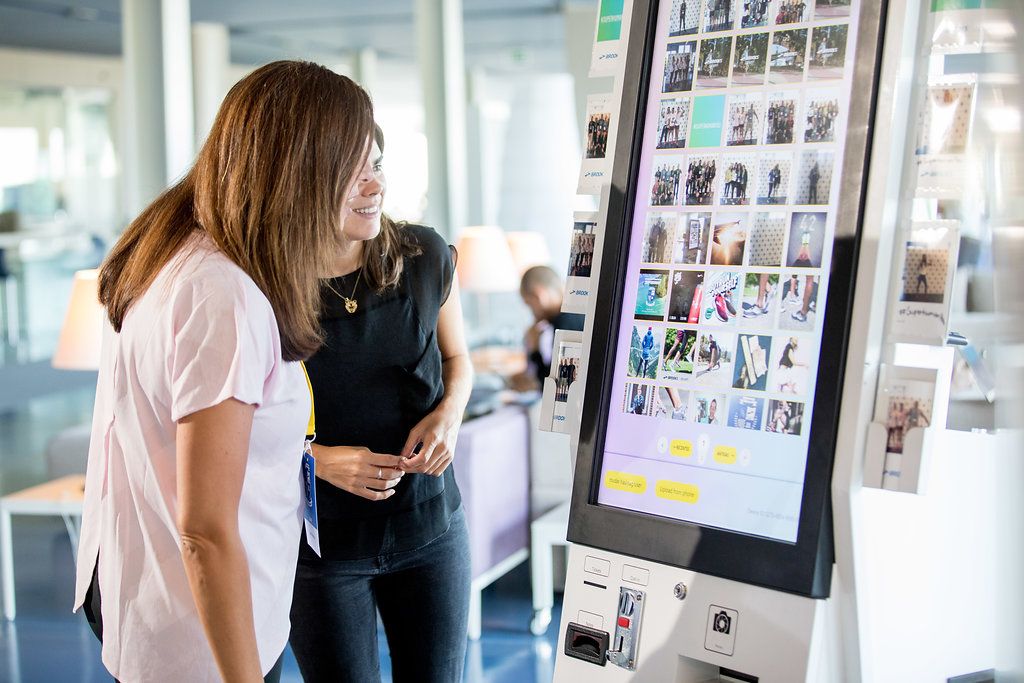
(358, 470)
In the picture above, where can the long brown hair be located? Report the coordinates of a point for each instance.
(384, 255)
(268, 188)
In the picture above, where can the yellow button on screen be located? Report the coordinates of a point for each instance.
(681, 448)
(725, 455)
(630, 483)
(673, 490)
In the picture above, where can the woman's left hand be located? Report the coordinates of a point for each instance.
(436, 435)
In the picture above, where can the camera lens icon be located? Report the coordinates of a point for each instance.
(722, 622)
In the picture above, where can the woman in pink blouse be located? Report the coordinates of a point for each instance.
(193, 496)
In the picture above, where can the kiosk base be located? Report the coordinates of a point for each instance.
(696, 628)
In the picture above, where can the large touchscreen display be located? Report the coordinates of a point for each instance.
(729, 253)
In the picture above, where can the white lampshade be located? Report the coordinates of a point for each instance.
(82, 332)
(485, 261)
(529, 249)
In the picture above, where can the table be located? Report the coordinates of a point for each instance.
(61, 497)
(546, 532)
(492, 466)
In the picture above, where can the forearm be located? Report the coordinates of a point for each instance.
(218, 574)
(457, 373)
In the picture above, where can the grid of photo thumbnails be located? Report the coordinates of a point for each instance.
(731, 278)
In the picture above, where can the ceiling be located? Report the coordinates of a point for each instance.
(507, 35)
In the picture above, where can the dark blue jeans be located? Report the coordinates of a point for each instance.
(422, 596)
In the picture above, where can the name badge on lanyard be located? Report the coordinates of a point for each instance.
(309, 515)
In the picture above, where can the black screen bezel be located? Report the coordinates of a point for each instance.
(803, 567)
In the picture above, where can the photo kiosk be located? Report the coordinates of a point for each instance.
(701, 518)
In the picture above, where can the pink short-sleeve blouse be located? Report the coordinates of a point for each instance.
(202, 333)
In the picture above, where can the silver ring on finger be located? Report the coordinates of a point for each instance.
(380, 473)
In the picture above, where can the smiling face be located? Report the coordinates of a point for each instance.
(360, 219)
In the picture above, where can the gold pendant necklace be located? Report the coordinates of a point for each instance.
(350, 303)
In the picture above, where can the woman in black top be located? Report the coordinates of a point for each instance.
(390, 385)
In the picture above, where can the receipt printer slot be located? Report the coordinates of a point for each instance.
(587, 644)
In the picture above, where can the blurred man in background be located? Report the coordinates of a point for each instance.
(542, 291)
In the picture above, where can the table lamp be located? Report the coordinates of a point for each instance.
(485, 265)
(82, 332)
(529, 249)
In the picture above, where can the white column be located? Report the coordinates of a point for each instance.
(441, 56)
(364, 69)
(210, 62)
(480, 166)
(159, 131)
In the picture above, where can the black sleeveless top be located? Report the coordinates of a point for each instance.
(376, 376)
